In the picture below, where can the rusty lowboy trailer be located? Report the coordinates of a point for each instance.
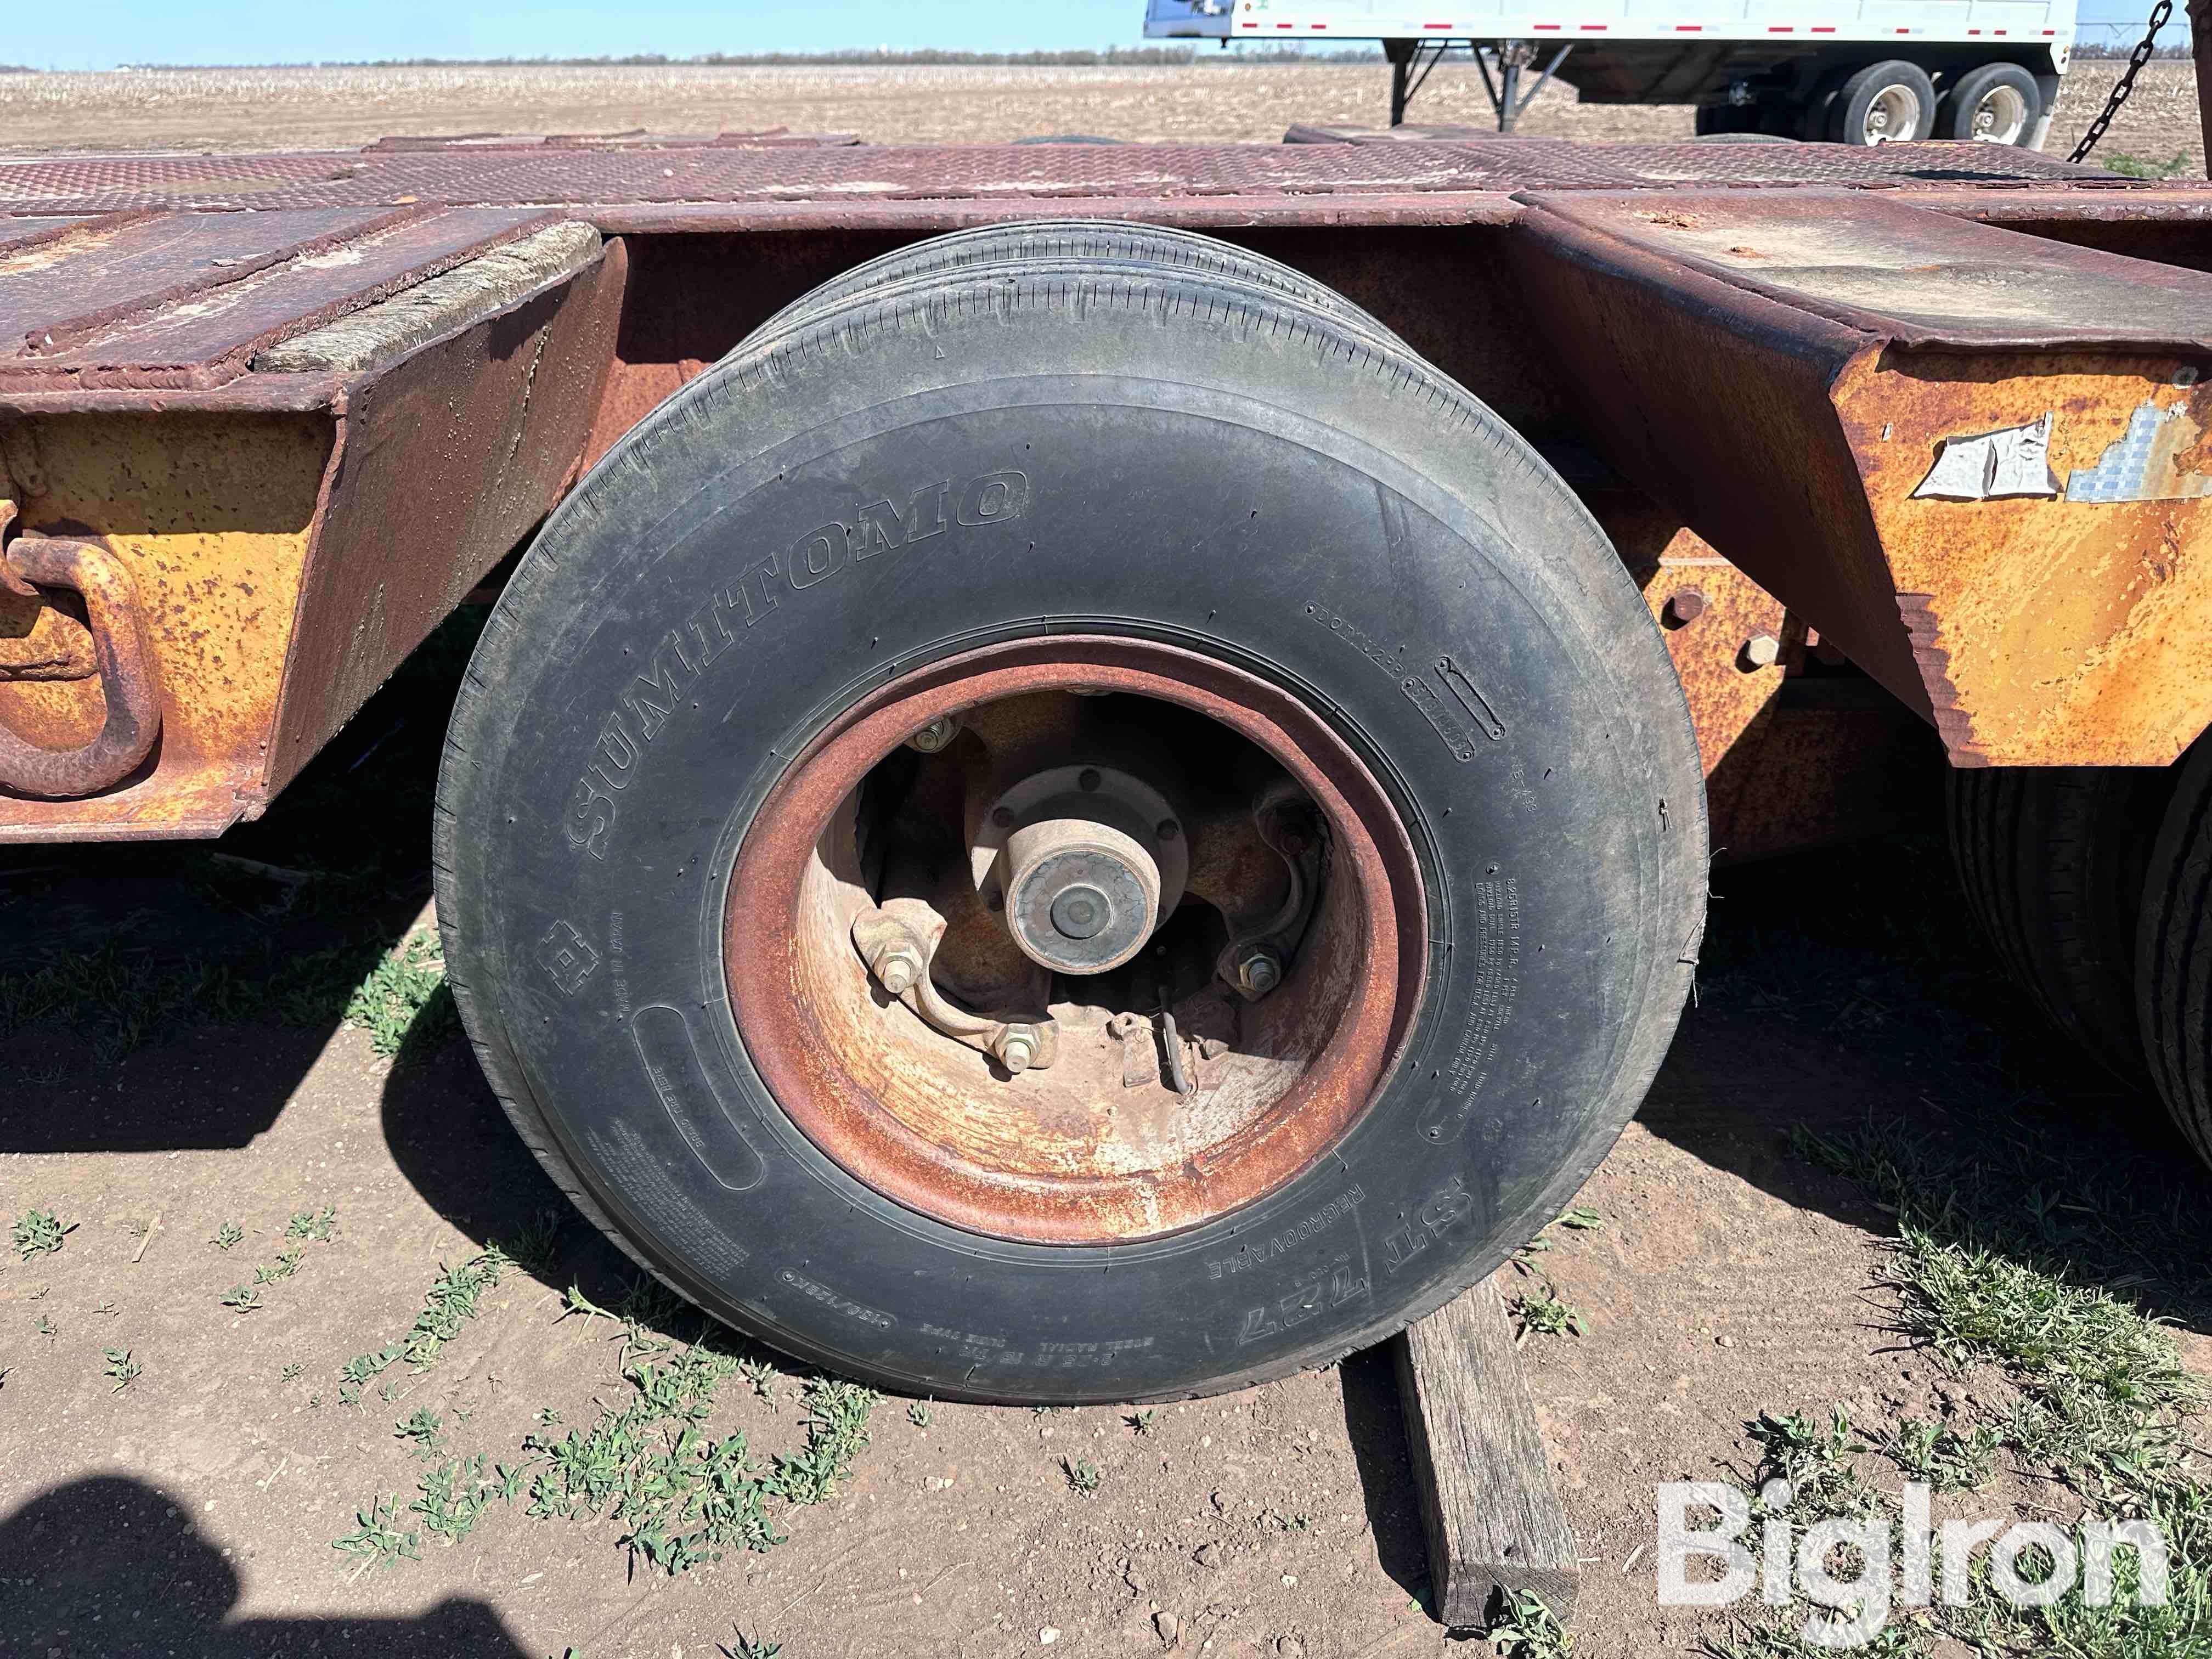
(1073, 811)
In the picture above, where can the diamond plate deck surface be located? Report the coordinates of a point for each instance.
(738, 176)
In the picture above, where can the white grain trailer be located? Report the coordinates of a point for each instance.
(1847, 71)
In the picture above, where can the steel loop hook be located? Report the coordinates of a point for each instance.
(128, 678)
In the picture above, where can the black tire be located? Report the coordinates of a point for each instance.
(1858, 96)
(1019, 248)
(2053, 861)
(2005, 87)
(2174, 955)
(1564, 862)
(1816, 116)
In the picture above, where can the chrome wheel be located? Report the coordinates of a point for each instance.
(2001, 116)
(1893, 116)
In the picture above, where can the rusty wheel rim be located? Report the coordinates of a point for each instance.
(942, 1132)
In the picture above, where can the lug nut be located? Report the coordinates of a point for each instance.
(935, 735)
(1685, 606)
(1017, 1048)
(897, 968)
(1761, 651)
(1259, 970)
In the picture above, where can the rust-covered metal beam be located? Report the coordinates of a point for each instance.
(266, 544)
(1971, 458)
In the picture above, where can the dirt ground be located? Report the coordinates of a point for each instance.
(174, 1060)
(259, 109)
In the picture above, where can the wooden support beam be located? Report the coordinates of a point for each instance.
(1494, 1518)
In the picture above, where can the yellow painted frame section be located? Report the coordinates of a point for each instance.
(212, 514)
(2047, 632)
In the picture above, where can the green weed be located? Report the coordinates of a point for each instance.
(1982, 1274)
(537, 1245)
(286, 1264)
(376, 1541)
(407, 985)
(38, 1232)
(1940, 1457)
(424, 1431)
(449, 1304)
(2145, 166)
(1541, 1312)
(122, 1367)
(917, 1412)
(227, 1235)
(453, 1495)
(1082, 1475)
(761, 1375)
(1525, 1628)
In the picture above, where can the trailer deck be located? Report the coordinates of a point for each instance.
(293, 534)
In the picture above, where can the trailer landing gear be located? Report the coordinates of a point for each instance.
(1501, 63)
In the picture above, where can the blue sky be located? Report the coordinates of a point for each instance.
(100, 34)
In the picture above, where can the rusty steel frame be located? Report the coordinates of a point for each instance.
(289, 538)
(1795, 425)
(300, 532)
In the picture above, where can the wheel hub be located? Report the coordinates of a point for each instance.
(1087, 860)
(1130, 947)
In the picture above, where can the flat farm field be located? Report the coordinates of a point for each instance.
(1216, 101)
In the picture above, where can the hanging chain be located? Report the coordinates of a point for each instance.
(2126, 84)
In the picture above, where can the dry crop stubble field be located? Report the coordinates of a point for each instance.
(1213, 99)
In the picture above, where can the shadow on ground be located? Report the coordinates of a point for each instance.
(237, 956)
(114, 1565)
(1374, 1421)
(1848, 991)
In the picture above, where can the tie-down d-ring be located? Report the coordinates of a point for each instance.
(128, 677)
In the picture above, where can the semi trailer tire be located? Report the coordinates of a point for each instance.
(752, 703)
(1021, 247)
(1996, 104)
(2173, 953)
(2053, 861)
(1890, 102)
